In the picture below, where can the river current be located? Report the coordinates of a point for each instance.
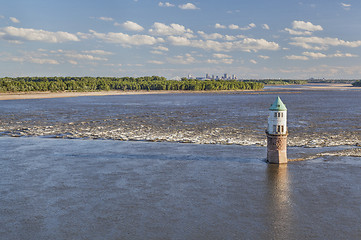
(58, 182)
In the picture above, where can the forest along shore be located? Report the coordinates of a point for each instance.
(64, 94)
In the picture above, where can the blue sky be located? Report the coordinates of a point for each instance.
(174, 38)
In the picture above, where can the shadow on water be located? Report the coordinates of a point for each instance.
(279, 204)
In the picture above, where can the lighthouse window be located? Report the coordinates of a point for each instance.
(274, 128)
(275, 114)
(282, 128)
(278, 128)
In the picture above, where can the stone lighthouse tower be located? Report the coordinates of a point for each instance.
(277, 133)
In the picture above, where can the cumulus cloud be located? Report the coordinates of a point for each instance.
(161, 48)
(317, 55)
(314, 55)
(294, 32)
(180, 59)
(253, 61)
(263, 57)
(233, 26)
(173, 29)
(318, 43)
(248, 27)
(217, 25)
(188, 6)
(14, 20)
(132, 26)
(307, 26)
(126, 39)
(221, 55)
(98, 52)
(166, 4)
(83, 56)
(30, 59)
(210, 36)
(107, 19)
(157, 52)
(29, 34)
(156, 62)
(220, 61)
(303, 28)
(246, 44)
(294, 57)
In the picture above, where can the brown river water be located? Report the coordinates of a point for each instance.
(195, 168)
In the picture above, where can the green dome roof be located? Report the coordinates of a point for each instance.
(278, 105)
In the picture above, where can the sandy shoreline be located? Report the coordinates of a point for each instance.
(41, 95)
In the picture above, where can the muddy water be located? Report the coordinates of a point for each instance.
(69, 188)
(86, 189)
(316, 118)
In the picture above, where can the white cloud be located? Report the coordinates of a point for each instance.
(155, 62)
(307, 26)
(107, 19)
(172, 29)
(303, 28)
(180, 59)
(132, 26)
(294, 32)
(14, 20)
(294, 57)
(98, 52)
(179, 41)
(188, 6)
(343, 55)
(220, 55)
(210, 36)
(166, 4)
(265, 26)
(314, 55)
(248, 27)
(29, 34)
(33, 60)
(322, 55)
(346, 6)
(161, 48)
(217, 25)
(157, 52)
(246, 44)
(318, 43)
(233, 26)
(73, 62)
(253, 61)
(263, 57)
(126, 39)
(219, 61)
(88, 57)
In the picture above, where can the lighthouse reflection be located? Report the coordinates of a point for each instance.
(279, 202)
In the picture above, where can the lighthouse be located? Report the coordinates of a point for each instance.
(277, 133)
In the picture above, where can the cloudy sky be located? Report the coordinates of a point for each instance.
(174, 38)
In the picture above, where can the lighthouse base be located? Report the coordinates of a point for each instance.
(277, 148)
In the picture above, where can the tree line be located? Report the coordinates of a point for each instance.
(83, 84)
(357, 84)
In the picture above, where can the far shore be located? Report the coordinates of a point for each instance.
(41, 95)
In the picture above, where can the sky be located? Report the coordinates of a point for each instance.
(253, 39)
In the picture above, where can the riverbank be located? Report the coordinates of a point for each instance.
(42, 95)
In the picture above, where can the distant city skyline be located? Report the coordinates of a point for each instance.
(207, 76)
(255, 39)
